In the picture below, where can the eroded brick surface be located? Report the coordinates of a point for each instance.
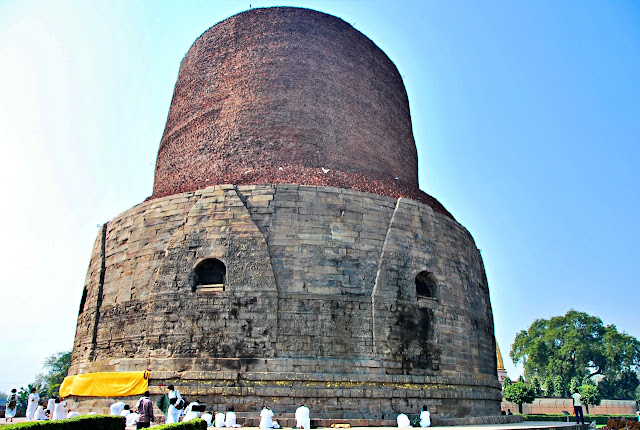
(288, 95)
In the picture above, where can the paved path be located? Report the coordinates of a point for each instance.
(526, 425)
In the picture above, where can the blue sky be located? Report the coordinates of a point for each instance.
(525, 115)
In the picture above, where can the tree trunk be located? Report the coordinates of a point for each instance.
(520, 408)
(587, 406)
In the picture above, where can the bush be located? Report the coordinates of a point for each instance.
(599, 419)
(87, 422)
(198, 424)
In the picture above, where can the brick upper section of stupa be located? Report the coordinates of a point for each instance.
(289, 95)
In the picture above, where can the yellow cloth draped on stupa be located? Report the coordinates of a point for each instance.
(105, 384)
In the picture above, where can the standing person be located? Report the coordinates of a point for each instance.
(173, 413)
(266, 418)
(59, 409)
(145, 409)
(32, 404)
(12, 405)
(172, 392)
(577, 406)
(425, 417)
(302, 418)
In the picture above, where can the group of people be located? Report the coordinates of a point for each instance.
(425, 419)
(55, 409)
(177, 411)
(141, 416)
(193, 410)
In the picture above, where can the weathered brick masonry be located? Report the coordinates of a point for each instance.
(319, 303)
(359, 304)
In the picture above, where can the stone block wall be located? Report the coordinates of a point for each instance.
(319, 303)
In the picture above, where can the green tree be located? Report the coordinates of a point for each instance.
(506, 383)
(622, 387)
(535, 385)
(518, 393)
(558, 387)
(590, 395)
(574, 384)
(547, 386)
(56, 367)
(575, 345)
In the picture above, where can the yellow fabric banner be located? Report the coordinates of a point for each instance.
(105, 384)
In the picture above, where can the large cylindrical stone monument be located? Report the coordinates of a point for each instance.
(287, 255)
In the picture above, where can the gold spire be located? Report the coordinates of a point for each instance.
(499, 357)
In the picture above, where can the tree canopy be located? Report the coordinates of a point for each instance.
(518, 393)
(56, 367)
(580, 346)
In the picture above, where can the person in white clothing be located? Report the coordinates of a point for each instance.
(577, 406)
(173, 413)
(116, 408)
(425, 417)
(32, 404)
(172, 392)
(230, 419)
(125, 411)
(59, 409)
(207, 417)
(73, 414)
(132, 419)
(219, 419)
(403, 421)
(41, 413)
(266, 418)
(51, 405)
(12, 405)
(189, 414)
(302, 417)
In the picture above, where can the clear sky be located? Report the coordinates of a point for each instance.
(526, 116)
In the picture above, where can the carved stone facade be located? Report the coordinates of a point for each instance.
(358, 304)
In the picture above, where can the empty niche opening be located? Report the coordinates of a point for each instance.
(210, 276)
(426, 285)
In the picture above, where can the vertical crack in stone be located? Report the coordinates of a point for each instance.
(103, 268)
(375, 284)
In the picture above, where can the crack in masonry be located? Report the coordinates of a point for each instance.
(375, 284)
(103, 268)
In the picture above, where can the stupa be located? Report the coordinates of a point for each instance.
(287, 254)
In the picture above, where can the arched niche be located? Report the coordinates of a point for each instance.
(210, 276)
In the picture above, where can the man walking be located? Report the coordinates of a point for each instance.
(145, 409)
